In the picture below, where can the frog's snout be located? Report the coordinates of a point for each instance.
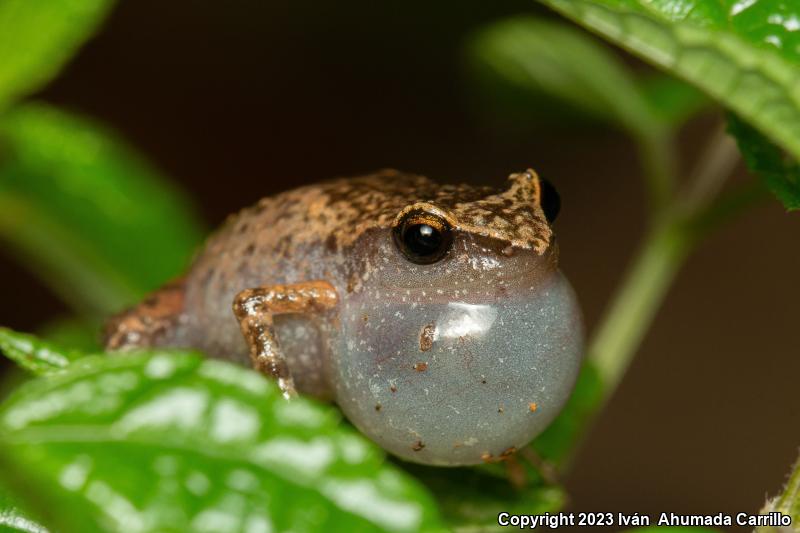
(456, 382)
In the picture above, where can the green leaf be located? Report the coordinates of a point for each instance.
(471, 498)
(98, 224)
(554, 59)
(35, 355)
(78, 334)
(780, 173)
(559, 440)
(673, 100)
(38, 38)
(175, 442)
(12, 518)
(10, 379)
(744, 53)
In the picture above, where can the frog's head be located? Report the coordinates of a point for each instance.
(460, 340)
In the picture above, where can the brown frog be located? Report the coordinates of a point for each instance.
(434, 315)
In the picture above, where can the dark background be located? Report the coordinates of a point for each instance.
(246, 99)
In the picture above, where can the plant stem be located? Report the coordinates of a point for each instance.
(727, 206)
(632, 311)
(677, 226)
(656, 154)
(635, 304)
(719, 160)
(675, 231)
(787, 503)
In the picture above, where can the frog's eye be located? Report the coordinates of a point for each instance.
(549, 200)
(423, 237)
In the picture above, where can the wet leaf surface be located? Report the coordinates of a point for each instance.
(175, 442)
(744, 53)
(33, 354)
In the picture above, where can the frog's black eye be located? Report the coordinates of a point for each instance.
(549, 200)
(423, 237)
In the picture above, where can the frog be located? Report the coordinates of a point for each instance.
(434, 315)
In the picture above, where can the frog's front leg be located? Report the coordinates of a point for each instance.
(255, 308)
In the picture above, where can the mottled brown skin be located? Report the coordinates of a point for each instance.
(151, 322)
(294, 254)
